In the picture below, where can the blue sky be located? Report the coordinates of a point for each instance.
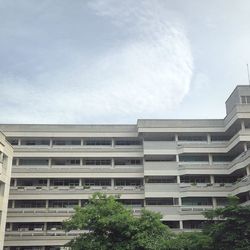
(114, 61)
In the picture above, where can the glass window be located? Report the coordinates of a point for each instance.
(161, 179)
(128, 142)
(97, 182)
(98, 142)
(33, 161)
(128, 182)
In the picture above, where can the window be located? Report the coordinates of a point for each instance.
(97, 182)
(128, 182)
(97, 162)
(128, 162)
(98, 142)
(128, 142)
(29, 162)
(197, 201)
(66, 162)
(64, 182)
(30, 204)
(162, 201)
(194, 158)
(63, 203)
(161, 179)
(195, 179)
(62, 142)
(13, 141)
(245, 99)
(35, 142)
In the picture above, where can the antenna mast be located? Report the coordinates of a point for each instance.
(248, 74)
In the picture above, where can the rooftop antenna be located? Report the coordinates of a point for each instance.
(248, 74)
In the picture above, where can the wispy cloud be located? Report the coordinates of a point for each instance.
(145, 73)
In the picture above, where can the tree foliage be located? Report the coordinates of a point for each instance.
(112, 226)
(229, 226)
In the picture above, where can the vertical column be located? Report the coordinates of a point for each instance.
(48, 182)
(181, 224)
(245, 146)
(242, 125)
(112, 162)
(176, 137)
(51, 142)
(211, 179)
(47, 203)
(13, 204)
(210, 159)
(45, 226)
(177, 158)
(79, 203)
(15, 182)
(50, 162)
(214, 202)
(248, 170)
(17, 162)
(80, 182)
(208, 138)
(19, 142)
(179, 201)
(112, 183)
(113, 142)
(82, 142)
(178, 179)
(81, 162)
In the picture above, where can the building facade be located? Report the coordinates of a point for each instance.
(179, 168)
(6, 153)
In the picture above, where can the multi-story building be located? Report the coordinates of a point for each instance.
(177, 167)
(6, 153)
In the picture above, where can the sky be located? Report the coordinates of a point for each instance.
(116, 61)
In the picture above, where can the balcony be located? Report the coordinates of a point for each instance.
(75, 189)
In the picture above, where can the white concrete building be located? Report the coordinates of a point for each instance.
(177, 167)
(6, 153)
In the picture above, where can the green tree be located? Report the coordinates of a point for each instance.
(229, 226)
(190, 241)
(111, 226)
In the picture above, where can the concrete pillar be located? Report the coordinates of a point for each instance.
(51, 142)
(13, 204)
(15, 182)
(177, 158)
(17, 162)
(47, 203)
(176, 137)
(112, 183)
(82, 142)
(208, 138)
(242, 125)
(179, 201)
(178, 179)
(80, 182)
(245, 146)
(48, 182)
(113, 142)
(81, 162)
(112, 162)
(211, 179)
(50, 162)
(248, 170)
(181, 224)
(79, 203)
(19, 142)
(45, 226)
(214, 202)
(210, 159)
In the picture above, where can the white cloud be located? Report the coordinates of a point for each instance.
(145, 75)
